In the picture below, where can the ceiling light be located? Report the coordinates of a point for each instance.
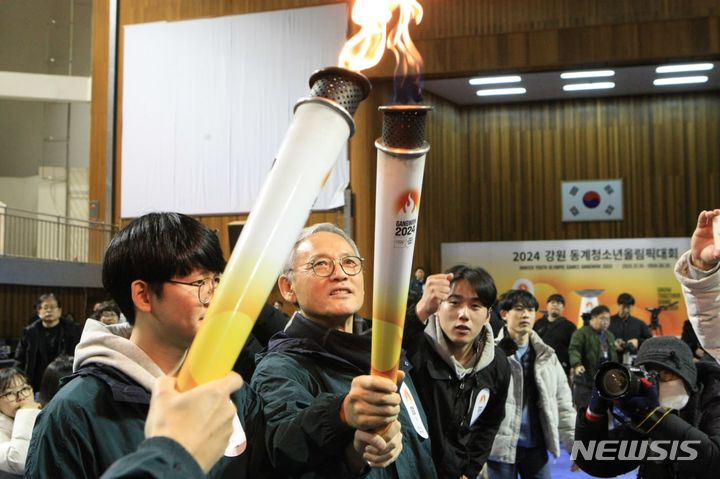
(501, 91)
(587, 74)
(493, 80)
(601, 85)
(689, 67)
(680, 80)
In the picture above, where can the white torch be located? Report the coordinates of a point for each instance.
(400, 166)
(320, 127)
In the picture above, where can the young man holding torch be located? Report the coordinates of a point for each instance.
(161, 269)
(326, 416)
(461, 376)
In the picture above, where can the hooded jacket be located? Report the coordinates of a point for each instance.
(98, 415)
(702, 297)
(303, 379)
(465, 406)
(555, 408)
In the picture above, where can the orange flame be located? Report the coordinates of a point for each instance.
(406, 54)
(365, 49)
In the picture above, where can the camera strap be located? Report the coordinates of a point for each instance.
(652, 420)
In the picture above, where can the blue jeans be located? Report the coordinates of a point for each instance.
(530, 463)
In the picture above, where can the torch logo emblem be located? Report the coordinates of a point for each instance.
(408, 202)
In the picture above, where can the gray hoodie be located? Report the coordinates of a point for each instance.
(487, 348)
(111, 345)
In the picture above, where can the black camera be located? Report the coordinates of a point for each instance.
(615, 381)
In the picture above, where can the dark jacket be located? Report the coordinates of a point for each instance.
(98, 417)
(630, 328)
(557, 334)
(460, 445)
(268, 323)
(31, 355)
(699, 420)
(157, 457)
(303, 379)
(585, 350)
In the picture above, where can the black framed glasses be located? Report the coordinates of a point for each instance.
(206, 288)
(18, 395)
(324, 266)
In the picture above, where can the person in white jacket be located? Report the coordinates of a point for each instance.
(18, 411)
(697, 271)
(539, 411)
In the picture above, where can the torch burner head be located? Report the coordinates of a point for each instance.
(403, 131)
(339, 89)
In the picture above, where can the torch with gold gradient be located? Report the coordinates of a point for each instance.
(320, 127)
(400, 166)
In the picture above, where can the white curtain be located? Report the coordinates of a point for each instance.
(207, 102)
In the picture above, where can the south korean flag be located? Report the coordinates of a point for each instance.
(592, 200)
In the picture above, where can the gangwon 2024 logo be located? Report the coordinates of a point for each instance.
(632, 450)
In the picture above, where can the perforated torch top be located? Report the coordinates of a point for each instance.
(345, 87)
(404, 127)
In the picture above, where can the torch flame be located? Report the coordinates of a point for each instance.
(365, 49)
(406, 54)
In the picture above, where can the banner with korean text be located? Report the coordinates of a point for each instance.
(586, 273)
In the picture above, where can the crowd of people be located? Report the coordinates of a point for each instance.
(485, 389)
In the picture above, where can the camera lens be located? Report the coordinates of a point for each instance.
(614, 383)
(613, 380)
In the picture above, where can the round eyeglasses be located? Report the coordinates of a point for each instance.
(324, 267)
(18, 395)
(206, 288)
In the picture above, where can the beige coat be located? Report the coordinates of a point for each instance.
(702, 297)
(556, 412)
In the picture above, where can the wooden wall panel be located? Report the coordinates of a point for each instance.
(622, 43)
(17, 304)
(98, 108)
(457, 18)
(143, 11)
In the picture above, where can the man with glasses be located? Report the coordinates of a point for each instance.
(326, 417)
(44, 339)
(589, 348)
(161, 269)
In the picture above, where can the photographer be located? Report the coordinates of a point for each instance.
(683, 405)
(589, 347)
(697, 272)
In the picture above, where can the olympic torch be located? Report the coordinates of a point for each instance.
(400, 166)
(320, 127)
